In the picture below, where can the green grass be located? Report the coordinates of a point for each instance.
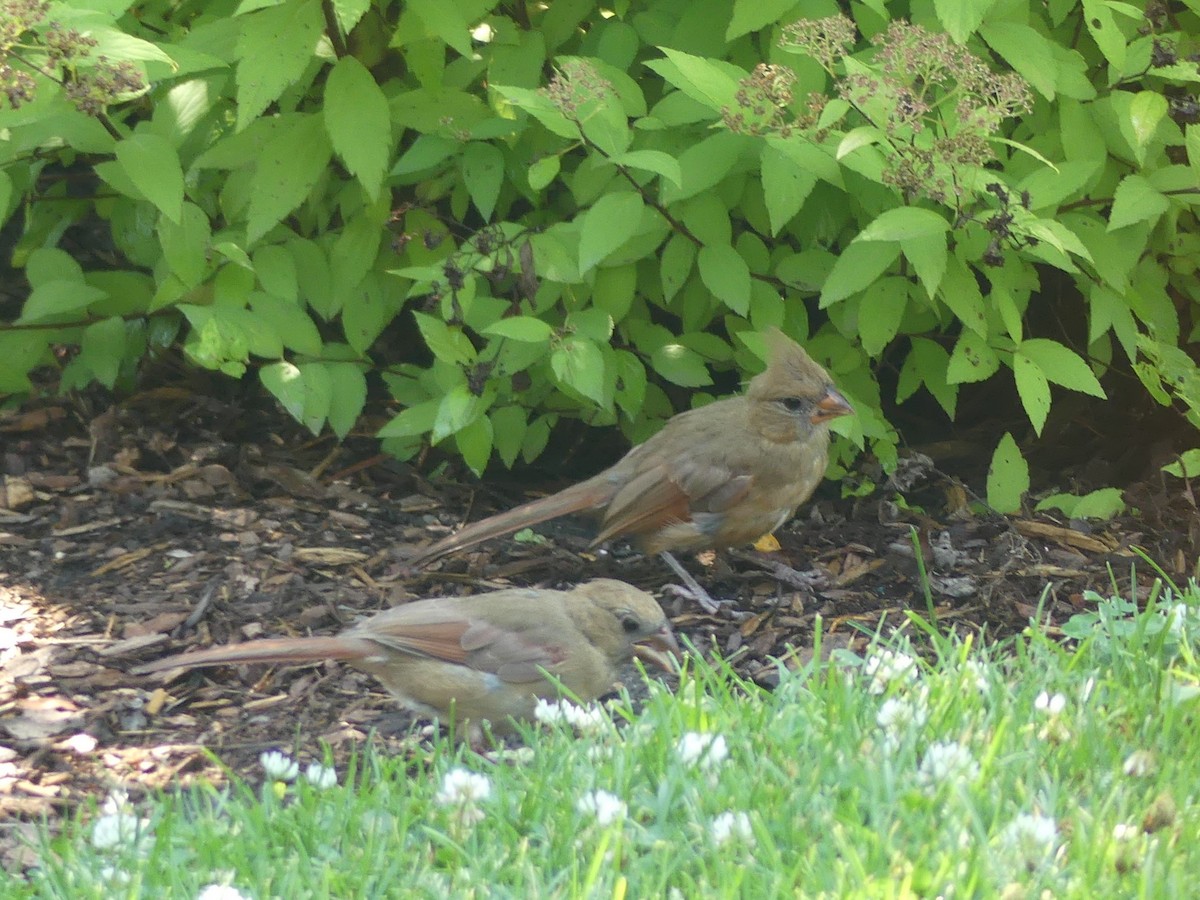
(980, 781)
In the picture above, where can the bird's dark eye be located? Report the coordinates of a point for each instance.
(793, 404)
(630, 624)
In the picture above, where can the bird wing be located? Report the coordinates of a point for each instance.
(512, 654)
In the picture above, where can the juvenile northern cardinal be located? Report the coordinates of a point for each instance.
(724, 474)
(481, 657)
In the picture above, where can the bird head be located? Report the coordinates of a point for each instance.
(625, 622)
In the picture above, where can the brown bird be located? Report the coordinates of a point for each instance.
(724, 474)
(466, 659)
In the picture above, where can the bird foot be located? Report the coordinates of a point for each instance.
(697, 594)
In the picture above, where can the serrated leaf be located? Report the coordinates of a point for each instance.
(880, 312)
(972, 360)
(1027, 51)
(474, 442)
(751, 15)
(412, 422)
(1146, 111)
(318, 395)
(1061, 365)
(606, 226)
(508, 432)
(1135, 201)
(785, 186)
(676, 363)
(1103, 27)
(1033, 389)
(348, 386)
(458, 409)
(960, 292)
(448, 344)
(856, 267)
(592, 323)
(1187, 466)
(1008, 477)
(521, 328)
(652, 161)
(904, 223)
(186, 244)
(288, 321)
(483, 174)
(288, 168)
(358, 122)
(675, 265)
(544, 171)
(579, 364)
(726, 275)
(152, 164)
(1102, 504)
(856, 138)
(55, 299)
(713, 83)
(960, 18)
(286, 384)
(102, 349)
(274, 48)
(444, 19)
(928, 256)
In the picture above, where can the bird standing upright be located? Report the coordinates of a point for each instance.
(467, 659)
(724, 474)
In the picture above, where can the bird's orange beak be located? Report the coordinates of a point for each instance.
(660, 649)
(832, 405)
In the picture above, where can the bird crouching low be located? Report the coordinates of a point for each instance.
(713, 477)
(464, 660)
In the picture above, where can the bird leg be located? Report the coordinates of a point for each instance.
(690, 588)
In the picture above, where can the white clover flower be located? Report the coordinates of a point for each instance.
(461, 786)
(947, 761)
(977, 674)
(221, 892)
(122, 830)
(1029, 840)
(279, 766)
(731, 827)
(584, 719)
(321, 777)
(114, 875)
(702, 749)
(1123, 832)
(898, 716)
(1139, 764)
(887, 666)
(1177, 619)
(607, 808)
(1050, 704)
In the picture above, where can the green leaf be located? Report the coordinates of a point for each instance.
(1103, 27)
(274, 48)
(751, 15)
(358, 122)
(1187, 466)
(58, 300)
(1102, 504)
(318, 395)
(152, 164)
(412, 422)
(712, 82)
(925, 366)
(508, 432)
(856, 267)
(1027, 51)
(1146, 111)
(544, 171)
(102, 349)
(614, 290)
(675, 265)
(286, 384)
(928, 256)
(880, 313)
(458, 409)
(972, 360)
(630, 393)
(475, 444)
(1008, 477)
(348, 396)
(288, 168)
(1033, 389)
(676, 363)
(287, 320)
(960, 292)
(186, 244)
(652, 161)
(726, 275)
(593, 323)
(1135, 201)
(606, 226)
(904, 223)
(448, 344)
(856, 138)
(960, 18)
(579, 364)
(785, 186)
(521, 328)
(483, 174)
(1061, 365)
(445, 20)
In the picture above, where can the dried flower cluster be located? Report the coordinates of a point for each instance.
(574, 84)
(29, 45)
(762, 102)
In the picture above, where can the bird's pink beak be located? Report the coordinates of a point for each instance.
(660, 649)
(832, 405)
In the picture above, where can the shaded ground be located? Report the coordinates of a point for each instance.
(176, 522)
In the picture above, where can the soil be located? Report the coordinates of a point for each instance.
(176, 521)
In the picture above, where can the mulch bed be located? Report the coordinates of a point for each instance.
(176, 521)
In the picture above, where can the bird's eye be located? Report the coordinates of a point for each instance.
(793, 404)
(630, 624)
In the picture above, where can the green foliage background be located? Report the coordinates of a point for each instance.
(580, 207)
